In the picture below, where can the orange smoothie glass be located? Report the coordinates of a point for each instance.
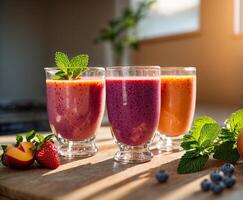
(75, 110)
(178, 98)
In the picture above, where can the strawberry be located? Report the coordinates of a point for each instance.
(46, 152)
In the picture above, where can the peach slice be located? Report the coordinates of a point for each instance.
(26, 147)
(16, 158)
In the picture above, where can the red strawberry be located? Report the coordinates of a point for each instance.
(46, 154)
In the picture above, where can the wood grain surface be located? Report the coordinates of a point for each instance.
(100, 177)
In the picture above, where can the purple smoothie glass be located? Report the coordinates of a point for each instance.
(133, 104)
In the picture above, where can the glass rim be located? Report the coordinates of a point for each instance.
(134, 67)
(185, 68)
(47, 69)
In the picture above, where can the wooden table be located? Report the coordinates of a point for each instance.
(100, 177)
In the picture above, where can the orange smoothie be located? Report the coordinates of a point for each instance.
(178, 96)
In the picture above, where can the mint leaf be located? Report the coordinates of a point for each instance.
(190, 165)
(207, 137)
(70, 69)
(204, 129)
(79, 64)
(188, 142)
(227, 135)
(208, 133)
(62, 61)
(60, 75)
(19, 139)
(30, 135)
(226, 152)
(80, 61)
(199, 144)
(198, 124)
(235, 122)
(192, 153)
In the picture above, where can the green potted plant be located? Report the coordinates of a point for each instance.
(120, 32)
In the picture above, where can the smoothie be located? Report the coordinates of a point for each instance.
(178, 96)
(75, 107)
(133, 106)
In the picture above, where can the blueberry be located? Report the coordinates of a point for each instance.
(206, 185)
(217, 188)
(216, 176)
(162, 176)
(229, 181)
(228, 169)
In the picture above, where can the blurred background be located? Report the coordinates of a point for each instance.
(203, 33)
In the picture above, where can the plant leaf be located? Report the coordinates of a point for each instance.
(19, 138)
(226, 152)
(60, 75)
(188, 141)
(30, 135)
(70, 69)
(80, 61)
(190, 165)
(40, 137)
(192, 153)
(208, 133)
(235, 122)
(79, 64)
(62, 61)
(198, 124)
(48, 137)
(227, 135)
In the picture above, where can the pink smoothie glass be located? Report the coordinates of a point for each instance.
(75, 110)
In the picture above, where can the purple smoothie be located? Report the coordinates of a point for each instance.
(133, 106)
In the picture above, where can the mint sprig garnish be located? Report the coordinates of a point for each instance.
(206, 138)
(70, 69)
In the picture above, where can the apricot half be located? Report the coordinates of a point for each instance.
(15, 157)
(240, 143)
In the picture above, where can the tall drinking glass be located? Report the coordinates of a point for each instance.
(178, 98)
(133, 105)
(75, 110)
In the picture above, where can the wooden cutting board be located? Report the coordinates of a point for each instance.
(100, 177)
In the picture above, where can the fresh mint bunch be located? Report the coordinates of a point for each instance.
(206, 138)
(70, 69)
(199, 144)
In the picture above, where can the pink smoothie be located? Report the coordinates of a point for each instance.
(75, 107)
